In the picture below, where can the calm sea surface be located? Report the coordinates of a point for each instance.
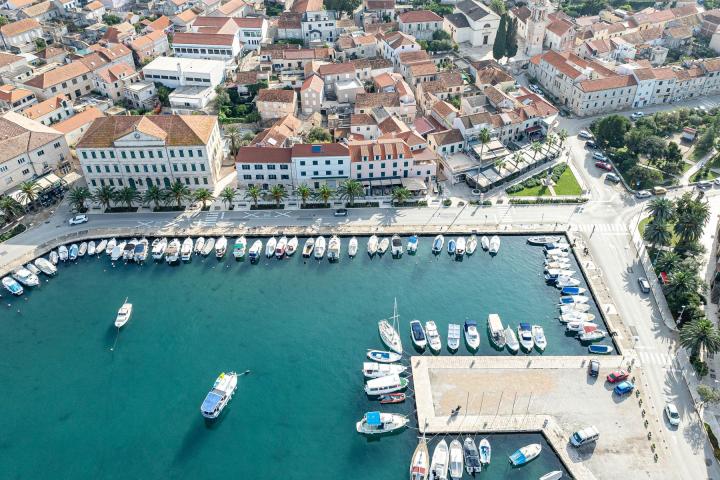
(72, 408)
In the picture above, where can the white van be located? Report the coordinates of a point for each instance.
(585, 436)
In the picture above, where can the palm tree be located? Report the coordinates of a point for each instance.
(661, 209)
(153, 195)
(518, 157)
(536, 147)
(234, 135)
(253, 192)
(78, 196)
(304, 192)
(484, 138)
(400, 195)
(104, 196)
(700, 336)
(177, 193)
(658, 233)
(227, 195)
(203, 195)
(683, 288)
(667, 261)
(10, 207)
(691, 221)
(562, 135)
(28, 192)
(278, 193)
(349, 189)
(324, 193)
(128, 196)
(550, 140)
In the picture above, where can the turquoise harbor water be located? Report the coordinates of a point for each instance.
(72, 408)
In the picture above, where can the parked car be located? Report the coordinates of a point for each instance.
(659, 190)
(604, 166)
(642, 194)
(583, 437)
(78, 219)
(716, 182)
(704, 184)
(637, 115)
(594, 368)
(341, 212)
(672, 414)
(611, 177)
(585, 134)
(617, 376)
(599, 156)
(591, 144)
(644, 285)
(623, 388)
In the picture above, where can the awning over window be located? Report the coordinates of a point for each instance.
(414, 184)
(533, 129)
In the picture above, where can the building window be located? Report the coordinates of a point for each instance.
(259, 177)
(245, 167)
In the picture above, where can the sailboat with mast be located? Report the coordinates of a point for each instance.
(389, 331)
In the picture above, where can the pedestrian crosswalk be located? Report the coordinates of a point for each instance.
(613, 228)
(651, 357)
(210, 219)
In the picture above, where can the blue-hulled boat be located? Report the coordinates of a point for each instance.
(573, 299)
(573, 291)
(451, 247)
(383, 357)
(438, 244)
(12, 286)
(412, 244)
(525, 454)
(73, 252)
(600, 349)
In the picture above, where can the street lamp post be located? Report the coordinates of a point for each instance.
(682, 310)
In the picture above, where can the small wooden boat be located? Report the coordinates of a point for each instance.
(72, 252)
(472, 457)
(538, 335)
(101, 247)
(576, 317)
(172, 252)
(570, 299)
(579, 326)
(438, 243)
(600, 349)
(485, 243)
(384, 357)
(456, 460)
(333, 251)
(472, 244)
(220, 247)
(383, 246)
(91, 248)
(525, 454)
(186, 249)
(372, 245)
(110, 246)
(374, 423)
(54, 257)
(439, 464)
(593, 335)
(417, 333)
(281, 247)
(33, 269)
(352, 247)
(292, 247)
(420, 463)
(389, 398)
(572, 291)
(574, 308)
(460, 246)
(555, 475)
(566, 282)
(485, 451)
(308, 247)
(453, 339)
(45, 266)
(496, 330)
(511, 341)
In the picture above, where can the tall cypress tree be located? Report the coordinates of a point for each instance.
(511, 45)
(499, 45)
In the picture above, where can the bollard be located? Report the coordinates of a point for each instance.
(646, 423)
(643, 413)
(649, 435)
(656, 457)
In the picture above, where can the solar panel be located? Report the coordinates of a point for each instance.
(316, 148)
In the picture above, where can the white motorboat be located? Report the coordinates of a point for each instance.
(433, 336)
(220, 247)
(101, 247)
(172, 252)
(438, 243)
(91, 248)
(292, 247)
(554, 475)
(389, 331)
(494, 245)
(496, 330)
(485, 451)
(574, 307)
(117, 251)
(558, 264)
(199, 244)
(239, 248)
(82, 249)
(383, 246)
(387, 384)
(281, 247)
(12, 286)
(270, 247)
(420, 463)
(158, 251)
(129, 249)
(417, 333)
(579, 326)
(32, 269)
(110, 246)
(559, 272)
(54, 257)
(221, 393)
(396, 246)
(525, 454)
(308, 247)
(255, 251)
(511, 341)
(124, 314)
(562, 282)
(383, 357)
(453, 337)
(543, 240)
(456, 459)
(45, 266)
(576, 317)
(141, 251)
(209, 247)
(352, 247)
(374, 423)
(372, 245)
(472, 457)
(333, 251)
(557, 253)
(472, 337)
(460, 246)
(485, 243)
(573, 299)
(73, 252)
(539, 337)
(186, 250)
(472, 244)
(591, 334)
(525, 336)
(439, 464)
(564, 246)
(26, 277)
(319, 251)
(377, 370)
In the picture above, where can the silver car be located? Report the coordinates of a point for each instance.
(672, 414)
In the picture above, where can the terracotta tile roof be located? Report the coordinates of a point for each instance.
(599, 84)
(119, 31)
(336, 69)
(383, 80)
(664, 73)
(231, 6)
(19, 135)
(21, 26)
(371, 100)
(58, 75)
(521, 13)
(289, 20)
(418, 16)
(116, 72)
(93, 61)
(560, 27)
(11, 94)
(381, 147)
(561, 64)
(644, 73)
(712, 64)
(111, 52)
(203, 39)
(50, 52)
(302, 6)
(319, 150)
(246, 78)
(357, 119)
(175, 130)
(285, 127)
(447, 137)
(147, 40)
(264, 155)
(420, 69)
(443, 109)
(161, 23)
(38, 9)
(364, 40)
(276, 95)
(9, 58)
(372, 63)
(492, 76)
(92, 6)
(249, 22)
(314, 83)
(380, 4)
(78, 120)
(41, 109)
(414, 57)
(186, 16)
(19, 3)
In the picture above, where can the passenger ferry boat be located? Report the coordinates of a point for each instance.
(219, 396)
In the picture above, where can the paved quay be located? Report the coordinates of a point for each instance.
(552, 395)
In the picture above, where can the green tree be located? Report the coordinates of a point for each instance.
(683, 288)
(708, 395)
(127, 196)
(10, 207)
(441, 35)
(536, 148)
(511, 43)
(253, 192)
(177, 193)
(643, 177)
(222, 99)
(78, 196)
(3, 20)
(324, 193)
(227, 195)
(562, 136)
(318, 135)
(304, 192)
(658, 233)
(203, 195)
(400, 195)
(668, 261)
(498, 6)
(661, 209)
(234, 135)
(692, 215)
(153, 195)
(347, 6)
(349, 189)
(484, 139)
(40, 43)
(163, 94)
(610, 130)
(499, 44)
(700, 337)
(28, 192)
(111, 19)
(104, 195)
(278, 193)
(673, 158)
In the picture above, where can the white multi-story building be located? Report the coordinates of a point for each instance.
(319, 27)
(478, 27)
(421, 24)
(20, 34)
(264, 167)
(212, 46)
(174, 72)
(325, 163)
(252, 31)
(139, 151)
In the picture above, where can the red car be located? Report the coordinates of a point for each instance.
(617, 376)
(604, 166)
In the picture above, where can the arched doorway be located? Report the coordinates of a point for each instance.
(166, 181)
(132, 183)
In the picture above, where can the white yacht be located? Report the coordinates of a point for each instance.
(396, 247)
(387, 384)
(496, 330)
(372, 245)
(333, 251)
(420, 463)
(308, 247)
(439, 464)
(456, 460)
(117, 251)
(389, 332)
(525, 336)
(220, 247)
(377, 370)
(12, 286)
(472, 244)
(239, 248)
(292, 247)
(124, 314)
(270, 247)
(158, 250)
(209, 247)
(129, 249)
(45, 266)
(494, 246)
(539, 337)
(472, 338)
(172, 252)
(199, 244)
(141, 251)
(221, 393)
(352, 247)
(460, 246)
(26, 277)
(319, 247)
(417, 333)
(255, 251)
(374, 423)
(186, 249)
(281, 247)
(433, 336)
(110, 246)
